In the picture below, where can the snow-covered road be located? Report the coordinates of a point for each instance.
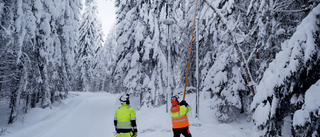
(91, 115)
(88, 115)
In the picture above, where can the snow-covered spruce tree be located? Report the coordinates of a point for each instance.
(33, 55)
(261, 28)
(269, 24)
(7, 59)
(105, 58)
(224, 84)
(27, 58)
(141, 64)
(68, 35)
(15, 63)
(257, 28)
(48, 48)
(3, 48)
(109, 51)
(284, 87)
(224, 78)
(52, 45)
(90, 41)
(180, 37)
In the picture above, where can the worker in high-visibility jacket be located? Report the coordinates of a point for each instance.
(125, 119)
(180, 123)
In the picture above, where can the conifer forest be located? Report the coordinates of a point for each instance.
(255, 58)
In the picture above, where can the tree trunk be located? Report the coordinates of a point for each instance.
(13, 104)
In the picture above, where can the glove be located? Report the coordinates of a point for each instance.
(135, 134)
(183, 102)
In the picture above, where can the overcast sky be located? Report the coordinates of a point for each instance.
(107, 14)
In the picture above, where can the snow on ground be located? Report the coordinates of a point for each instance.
(91, 115)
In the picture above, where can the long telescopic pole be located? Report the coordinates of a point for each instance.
(194, 22)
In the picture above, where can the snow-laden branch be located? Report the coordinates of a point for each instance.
(236, 46)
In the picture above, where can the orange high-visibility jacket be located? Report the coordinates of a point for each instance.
(180, 118)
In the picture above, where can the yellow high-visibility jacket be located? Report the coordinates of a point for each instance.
(125, 119)
(180, 118)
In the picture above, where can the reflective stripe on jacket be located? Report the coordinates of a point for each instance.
(125, 119)
(180, 118)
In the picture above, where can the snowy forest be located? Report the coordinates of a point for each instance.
(257, 58)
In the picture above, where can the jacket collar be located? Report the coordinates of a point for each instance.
(125, 104)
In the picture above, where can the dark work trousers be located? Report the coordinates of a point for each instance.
(184, 131)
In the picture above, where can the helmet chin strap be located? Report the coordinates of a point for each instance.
(126, 102)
